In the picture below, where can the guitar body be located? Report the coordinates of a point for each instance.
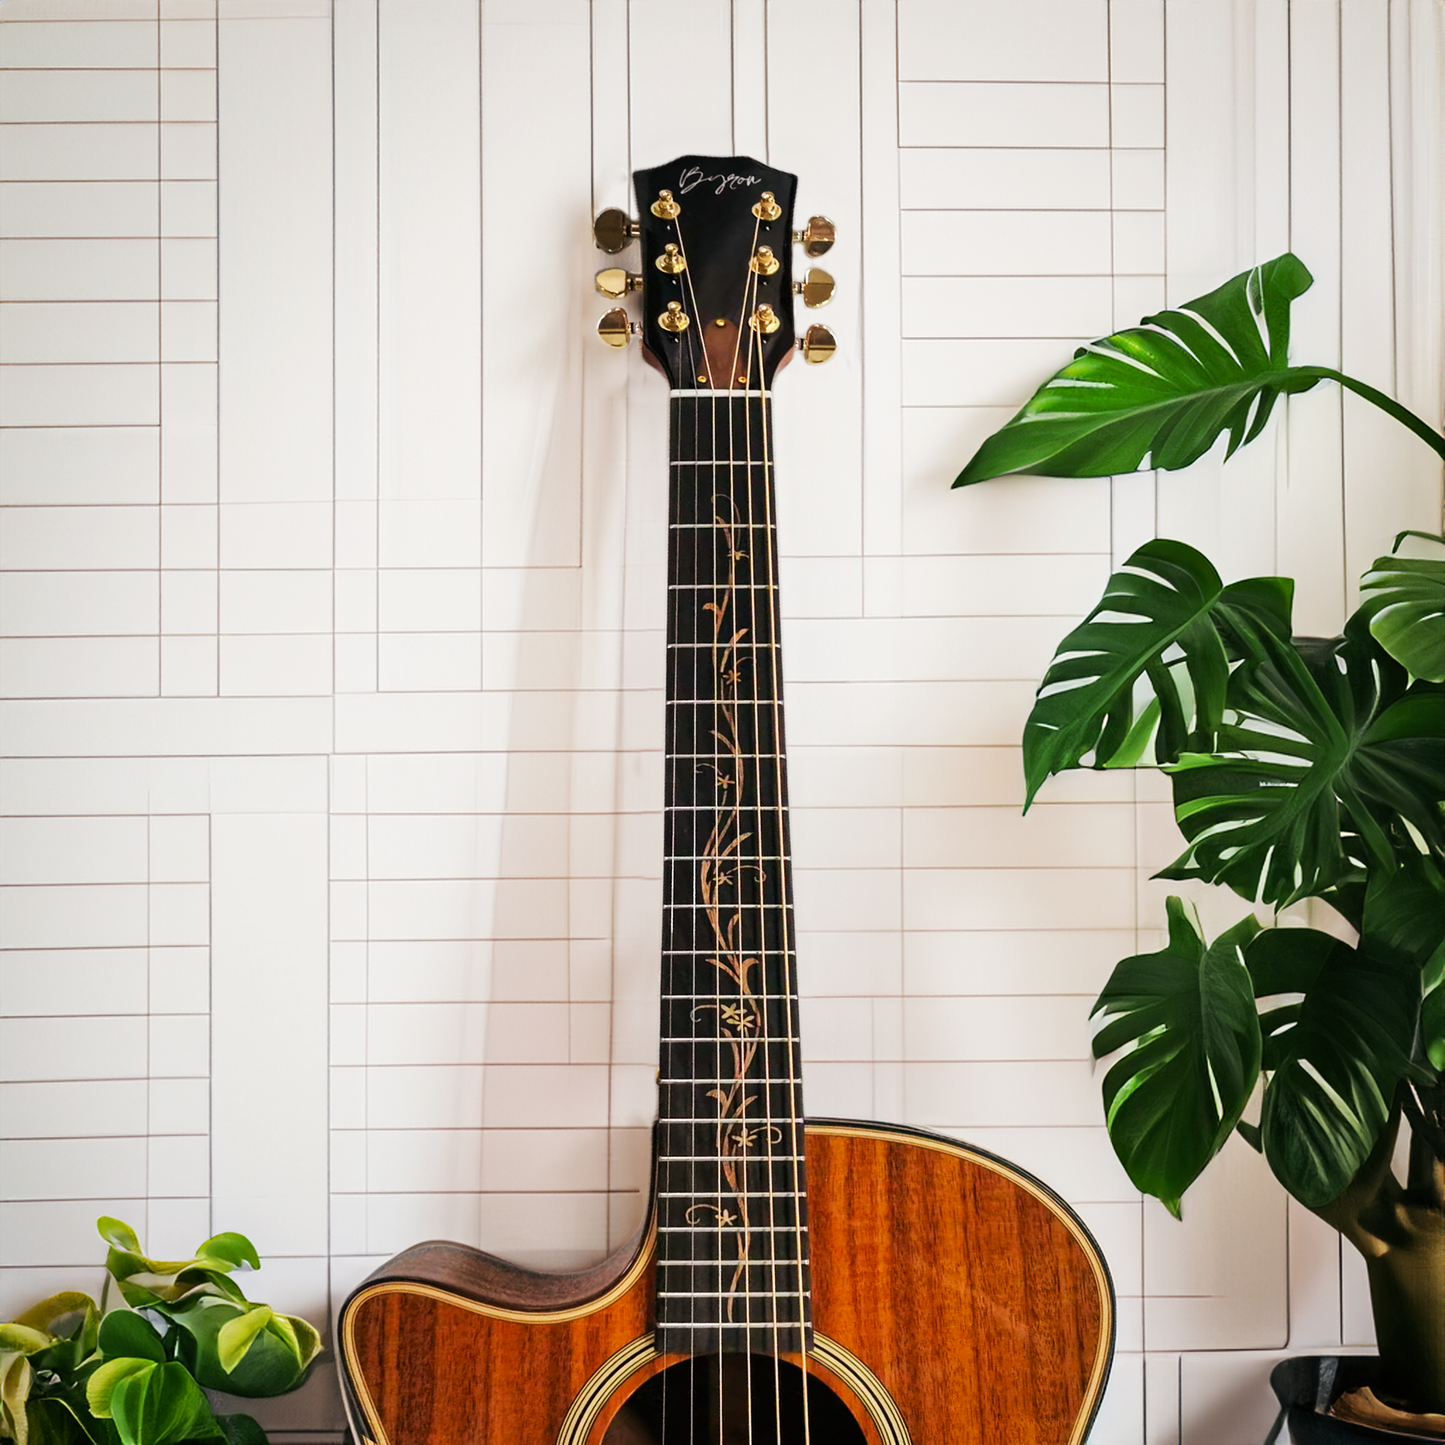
(980, 1303)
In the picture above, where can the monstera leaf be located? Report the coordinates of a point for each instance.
(1167, 389)
(1326, 766)
(1164, 612)
(1188, 1016)
(1404, 598)
(1335, 1058)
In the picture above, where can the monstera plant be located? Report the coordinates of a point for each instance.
(1302, 768)
(131, 1370)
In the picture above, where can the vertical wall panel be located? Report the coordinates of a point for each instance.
(357, 358)
(268, 1080)
(880, 325)
(275, 253)
(1310, 505)
(531, 358)
(680, 89)
(429, 172)
(275, 258)
(819, 410)
(430, 358)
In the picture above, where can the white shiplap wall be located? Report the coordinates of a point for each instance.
(330, 609)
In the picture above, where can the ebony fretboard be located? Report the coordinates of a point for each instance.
(732, 1247)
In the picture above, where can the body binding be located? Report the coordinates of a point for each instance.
(973, 1294)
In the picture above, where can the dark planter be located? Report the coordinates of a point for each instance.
(1305, 1387)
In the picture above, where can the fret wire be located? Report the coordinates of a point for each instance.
(729, 858)
(792, 1194)
(708, 647)
(701, 1229)
(747, 757)
(713, 808)
(730, 1158)
(708, 953)
(727, 1293)
(793, 1039)
(690, 1119)
(769, 1263)
(751, 906)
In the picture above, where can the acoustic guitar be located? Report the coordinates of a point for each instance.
(796, 1282)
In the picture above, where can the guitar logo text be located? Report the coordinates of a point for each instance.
(692, 177)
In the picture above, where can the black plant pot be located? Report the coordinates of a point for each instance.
(1307, 1385)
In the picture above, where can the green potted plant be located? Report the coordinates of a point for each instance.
(1302, 768)
(134, 1369)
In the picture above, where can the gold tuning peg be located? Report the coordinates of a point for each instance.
(816, 288)
(674, 319)
(613, 230)
(817, 237)
(617, 328)
(817, 345)
(617, 282)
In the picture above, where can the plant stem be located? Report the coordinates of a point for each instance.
(1402, 414)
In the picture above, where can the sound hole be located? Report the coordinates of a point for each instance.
(733, 1400)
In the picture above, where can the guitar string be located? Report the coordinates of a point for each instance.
(676, 498)
(756, 878)
(698, 541)
(787, 956)
(759, 878)
(693, 347)
(724, 601)
(771, 953)
(755, 369)
(784, 946)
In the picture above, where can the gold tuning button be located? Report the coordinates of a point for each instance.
(617, 328)
(613, 230)
(765, 320)
(617, 282)
(817, 237)
(674, 319)
(817, 345)
(767, 208)
(816, 288)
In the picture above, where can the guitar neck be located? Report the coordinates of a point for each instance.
(732, 1243)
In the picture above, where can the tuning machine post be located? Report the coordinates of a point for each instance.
(614, 231)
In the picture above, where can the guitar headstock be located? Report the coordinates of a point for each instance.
(716, 272)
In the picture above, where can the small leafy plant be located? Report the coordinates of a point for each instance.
(1302, 768)
(132, 1372)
